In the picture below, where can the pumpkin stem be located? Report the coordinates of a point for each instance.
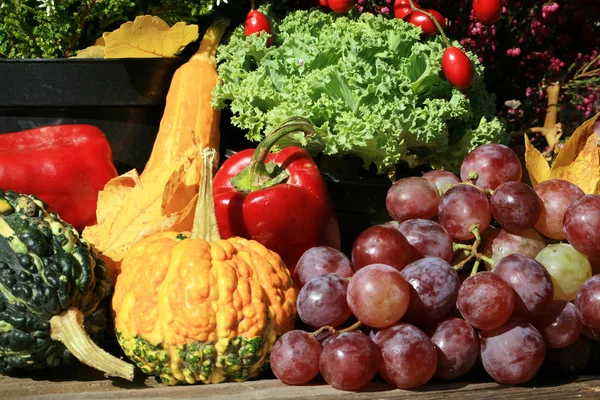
(211, 39)
(205, 219)
(67, 328)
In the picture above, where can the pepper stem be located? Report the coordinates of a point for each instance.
(67, 328)
(258, 175)
(205, 220)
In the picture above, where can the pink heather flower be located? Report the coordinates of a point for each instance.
(528, 92)
(385, 10)
(549, 11)
(513, 52)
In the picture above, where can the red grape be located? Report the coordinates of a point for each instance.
(558, 324)
(428, 238)
(587, 303)
(591, 333)
(501, 244)
(571, 359)
(378, 295)
(412, 197)
(515, 206)
(513, 353)
(582, 225)
(531, 282)
(321, 260)
(434, 286)
(557, 195)
(322, 301)
(485, 300)
(408, 356)
(457, 348)
(461, 208)
(349, 361)
(442, 180)
(381, 245)
(295, 357)
(493, 164)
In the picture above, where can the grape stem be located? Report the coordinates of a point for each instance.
(475, 267)
(472, 177)
(473, 250)
(331, 329)
(433, 19)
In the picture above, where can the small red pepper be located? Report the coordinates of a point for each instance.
(63, 165)
(278, 199)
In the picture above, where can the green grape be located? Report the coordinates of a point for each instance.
(568, 267)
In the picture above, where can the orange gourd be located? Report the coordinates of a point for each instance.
(190, 307)
(162, 197)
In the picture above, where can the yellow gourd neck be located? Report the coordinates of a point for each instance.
(210, 41)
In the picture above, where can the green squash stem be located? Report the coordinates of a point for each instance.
(67, 328)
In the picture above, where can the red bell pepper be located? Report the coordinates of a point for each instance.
(278, 199)
(63, 165)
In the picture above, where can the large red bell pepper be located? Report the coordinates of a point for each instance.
(278, 199)
(64, 165)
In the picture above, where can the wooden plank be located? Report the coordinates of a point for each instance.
(80, 382)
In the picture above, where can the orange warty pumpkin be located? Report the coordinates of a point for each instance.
(190, 307)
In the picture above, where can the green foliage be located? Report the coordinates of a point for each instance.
(370, 85)
(52, 29)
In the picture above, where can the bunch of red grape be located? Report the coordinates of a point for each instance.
(416, 311)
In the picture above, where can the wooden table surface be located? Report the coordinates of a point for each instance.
(80, 382)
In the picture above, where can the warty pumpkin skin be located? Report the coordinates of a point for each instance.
(54, 292)
(192, 311)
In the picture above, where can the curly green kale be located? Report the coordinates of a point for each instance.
(370, 85)
(57, 28)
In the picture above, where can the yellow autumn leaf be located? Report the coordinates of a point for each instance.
(578, 161)
(148, 36)
(536, 164)
(91, 52)
(584, 170)
(575, 144)
(131, 208)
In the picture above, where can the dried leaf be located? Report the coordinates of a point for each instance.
(149, 36)
(131, 208)
(91, 52)
(575, 144)
(536, 164)
(584, 170)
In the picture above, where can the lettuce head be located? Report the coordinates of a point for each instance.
(370, 85)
